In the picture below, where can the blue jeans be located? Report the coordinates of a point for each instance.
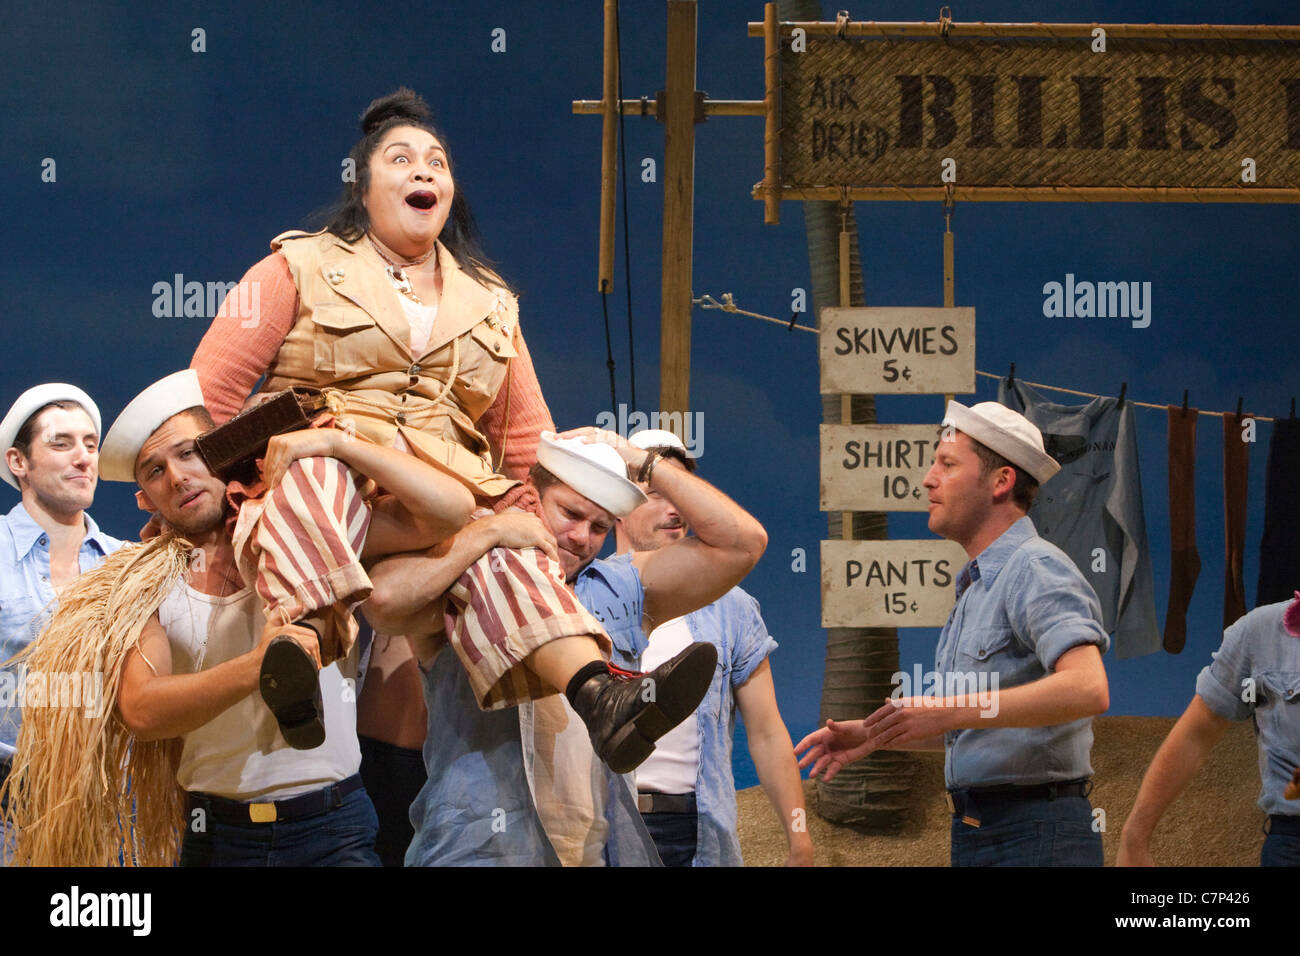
(341, 837)
(1280, 849)
(674, 835)
(393, 776)
(1037, 832)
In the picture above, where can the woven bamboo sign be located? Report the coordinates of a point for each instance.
(1041, 112)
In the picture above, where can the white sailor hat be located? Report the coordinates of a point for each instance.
(656, 438)
(594, 470)
(31, 401)
(1008, 433)
(649, 438)
(141, 418)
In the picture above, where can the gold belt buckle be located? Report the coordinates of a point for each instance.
(261, 812)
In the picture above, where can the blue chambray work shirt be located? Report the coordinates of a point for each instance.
(26, 595)
(734, 626)
(1021, 604)
(1256, 673)
(476, 808)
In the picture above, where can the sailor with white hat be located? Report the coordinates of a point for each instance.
(1006, 432)
(593, 469)
(143, 416)
(1026, 631)
(583, 479)
(48, 537)
(32, 401)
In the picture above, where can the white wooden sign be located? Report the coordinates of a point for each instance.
(889, 583)
(877, 351)
(876, 467)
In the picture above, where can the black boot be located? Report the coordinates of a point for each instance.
(290, 685)
(626, 711)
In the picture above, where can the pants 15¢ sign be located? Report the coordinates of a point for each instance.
(889, 583)
(875, 351)
(876, 467)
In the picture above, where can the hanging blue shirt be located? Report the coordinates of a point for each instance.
(26, 599)
(1256, 673)
(1092, 508)
(1021, 604)
(734, 626)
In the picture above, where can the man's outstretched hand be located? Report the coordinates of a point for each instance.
(834, 747)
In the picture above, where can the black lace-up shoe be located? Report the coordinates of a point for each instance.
(290, 685)
(627, 711)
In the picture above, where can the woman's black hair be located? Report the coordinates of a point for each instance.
(348, 219)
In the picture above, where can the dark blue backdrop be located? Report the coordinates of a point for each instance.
(171, 161)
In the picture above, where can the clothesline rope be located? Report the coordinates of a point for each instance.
(728, 305)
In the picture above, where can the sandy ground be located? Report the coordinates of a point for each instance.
(1214, 823)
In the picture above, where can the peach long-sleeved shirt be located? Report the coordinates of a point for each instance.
(238, 349)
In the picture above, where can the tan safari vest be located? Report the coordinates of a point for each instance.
(352, 338)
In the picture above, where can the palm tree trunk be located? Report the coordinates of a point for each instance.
(872, 794)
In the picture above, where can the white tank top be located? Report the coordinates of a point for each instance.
(240, 754)
(675, 763)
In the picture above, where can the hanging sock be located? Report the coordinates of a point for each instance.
(1236, 463)
(1185, 561)
(1279, 553)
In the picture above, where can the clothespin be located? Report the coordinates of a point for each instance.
(1184, 401)
(1011, 376)
(1293, 406)
(1239, 406)
(1123, 388)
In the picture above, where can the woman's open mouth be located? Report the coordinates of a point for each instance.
(423, 200)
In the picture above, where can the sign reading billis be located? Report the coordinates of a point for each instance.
(1023, 113)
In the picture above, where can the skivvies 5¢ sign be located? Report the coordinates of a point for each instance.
(901, 351)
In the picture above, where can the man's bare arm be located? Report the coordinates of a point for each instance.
(697, 570)
(1076, 688)
(407, 587)
(424, 505)
(156, 704)
(773, 755)
(1177, 761)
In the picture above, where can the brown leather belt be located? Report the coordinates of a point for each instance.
(293, 808)
(647, 801)
(969, 803)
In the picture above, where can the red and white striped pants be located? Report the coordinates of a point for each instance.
(301, 547)
(506, 605)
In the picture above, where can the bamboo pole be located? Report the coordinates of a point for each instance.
(949, 275)
(1043, 193)
(846, 300)
(1127, 31)
(679, 209)
(608, 150)
(771, 129)
(648, 107)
